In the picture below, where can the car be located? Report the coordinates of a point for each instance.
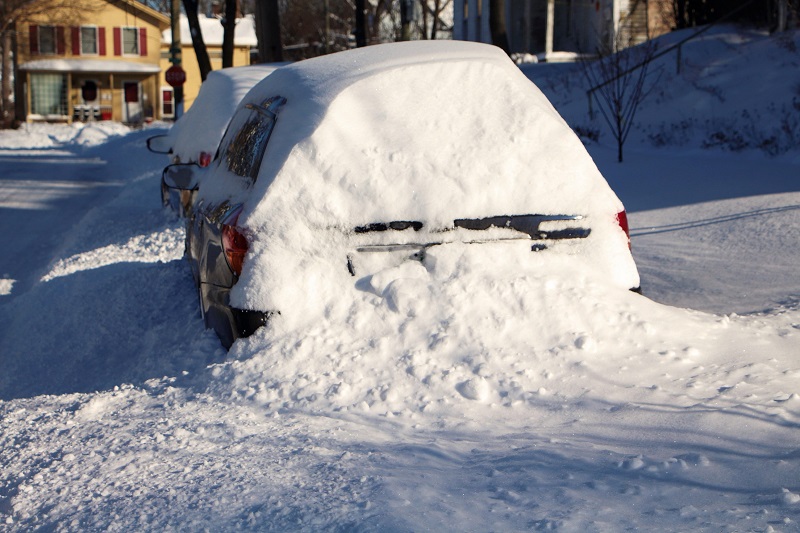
(196, 134)
(337, 168)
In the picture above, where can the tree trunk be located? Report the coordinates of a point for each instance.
(7, 104)
(497, 24)
(437, 11)
(190, 6)
(268, 30)
(783, 15)
(361, 25)
(680, 14)
(229, 27)
(406, 8)
(424, 9)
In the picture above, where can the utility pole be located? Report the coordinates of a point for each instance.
(548, 38)
(175, 53)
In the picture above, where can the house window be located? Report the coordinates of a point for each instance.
(130, 41)
(88, 40)
(49, 94)
(47, 40)
(167, 103)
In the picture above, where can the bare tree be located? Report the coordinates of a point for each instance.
(191, 7)
(162, 6)
(774, 14)
(385, 21)
(619, 82)
(314, 27)
(433, 11)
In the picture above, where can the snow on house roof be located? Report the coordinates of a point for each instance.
(89, 65)
(211, 28)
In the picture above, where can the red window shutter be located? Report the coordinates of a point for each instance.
(61, 44)
(117, 42)
(76, 41)
(101, 37)
(33, 33)
(142, 41)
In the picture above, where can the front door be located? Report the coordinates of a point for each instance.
(132, 102)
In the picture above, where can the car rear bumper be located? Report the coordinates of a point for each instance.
(230, 323)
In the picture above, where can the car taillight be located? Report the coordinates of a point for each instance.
(204, 160)
(622, 220)
(234, 243)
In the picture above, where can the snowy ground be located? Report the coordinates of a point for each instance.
(524, 400)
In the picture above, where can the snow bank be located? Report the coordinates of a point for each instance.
(710, 94)
(36, 135)
(508, 335)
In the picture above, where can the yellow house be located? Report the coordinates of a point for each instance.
(244, 39)
(97, 61)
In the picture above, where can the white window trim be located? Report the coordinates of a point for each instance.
(122, 41)
(96, 40)
(161, 101)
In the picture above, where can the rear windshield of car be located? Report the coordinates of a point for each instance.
(246, 140)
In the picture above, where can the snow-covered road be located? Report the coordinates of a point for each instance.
(624, 414)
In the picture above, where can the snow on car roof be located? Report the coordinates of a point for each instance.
(418, 130)
(202, 126)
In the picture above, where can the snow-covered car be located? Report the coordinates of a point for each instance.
(337, 168)
(198, 132)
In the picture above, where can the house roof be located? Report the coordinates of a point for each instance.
(211, 28)
(88, 65)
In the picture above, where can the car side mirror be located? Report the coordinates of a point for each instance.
(160, 144)
(181, 176)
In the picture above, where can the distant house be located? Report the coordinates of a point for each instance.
(546, 27)
(101, 62)
(244, 40)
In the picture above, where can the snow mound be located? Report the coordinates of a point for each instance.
(480, 345)
(163, 246)
(97, 133)
(37, 135)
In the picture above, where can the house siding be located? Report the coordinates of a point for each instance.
(110, 80)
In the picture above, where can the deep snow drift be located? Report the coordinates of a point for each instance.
(504, 398)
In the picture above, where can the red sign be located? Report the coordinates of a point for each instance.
(175, 76)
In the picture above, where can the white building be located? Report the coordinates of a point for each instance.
(546, 27)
